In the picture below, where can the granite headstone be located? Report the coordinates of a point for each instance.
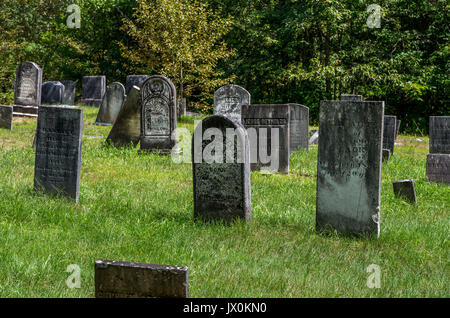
(440, 134)
(229, 99)
(134, 80)
(299, 126)
(438, 168)
(389, 133)
(52, 92)
(93, 89)
(111, 104)
(70, 88)
(6, 116)
(350, 97)
(405, 190)
(27, 87)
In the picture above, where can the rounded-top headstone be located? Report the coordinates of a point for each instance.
(52, 92)
(111, 104)
(27, 87)
(229, 99)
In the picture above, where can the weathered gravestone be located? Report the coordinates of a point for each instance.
(221, 170)
(158, 115)
(350, 97)
(58, 150)
(438, 168)
(93, 89)
(397, 128)
(405, 190)
(52, 92)
(134, 80)
(111, 104)
(314, 140)
(229, 99)
(349, 167)
(127, 128)
(115, 279)
(27, 88)
(268, 131)
(299, 126)
(389, 132)
(386, 155)
(6, 117)
(70, 88)
(440, 134)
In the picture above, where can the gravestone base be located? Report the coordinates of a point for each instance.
(91, 102)
(25, 111)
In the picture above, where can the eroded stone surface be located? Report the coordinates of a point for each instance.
(438, 168)
(111, 104)
(229, 99)
(70, 89)
(27, 87)
(351, 97)
(52, 92)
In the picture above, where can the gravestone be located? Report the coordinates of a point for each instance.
(158, 115)
(299, 126)
(52, 92)
(111, 104)
(397, 128)
(115, 279)
(350, 97)
(405, 190)
(440, 134)
(27, 89)
(134, 80)
(221, 170)
(386, 155)
(70, 88)
(6, 116)
(93, 89)
(438, 168)
(127, 128)
(314, 140)
(389, 133)
(229, 99)
(268, 131)
(349, 167)
(58, 150)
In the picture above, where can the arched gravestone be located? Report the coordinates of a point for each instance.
(158, 115)
(52, 92)
(299, 126)
(349, 167)
(111, 104)
(229, 99)
(221, 170)
(27, 87)
(70, 88)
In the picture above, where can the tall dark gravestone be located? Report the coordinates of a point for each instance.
(229, 99)
(6, 117)
(70, 88)
(134, 80)
(111, 104)
(52, 92)
(350, 97)
(115, 279)
(299, 127)
(27, 88)
(440, 134)
(268, 131)
(158, 115)
(389, 132)
(349, 167)
(93, 89)
(58, 150)
(221, 170)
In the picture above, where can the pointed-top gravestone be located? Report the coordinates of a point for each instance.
(93, 89)
(158, 115)
(221, 170)
(299, 126)
(27, 87)
(127, 128)
(111, 104)
(69, 92)
(134, 80)
(229, 99)
(52, 92)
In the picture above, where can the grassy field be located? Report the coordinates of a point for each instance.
(139, 207)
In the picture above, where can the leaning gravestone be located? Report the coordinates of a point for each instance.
(93, 89)
(158, 115)
(350, 97)
(111, 104)
(114, 279)
(440, 134)
(6, 117)
(52, 92)
(268, 130)
(134, 80)
(229, 99)
(27, 88)
(58, 150)
(127, 128)
(405, 189)
(299, 126)
(70, 88)
(389, 133)
(349, 167)
(221, 170)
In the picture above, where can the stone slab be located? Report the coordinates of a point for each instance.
(93, 89)
(6, 117)
(440, 134)
(52, 92)
(111, 104)
(351, 97)
(405, 190)
(70, 88)
(229, 99)
(389, 133)
(134, 80)
(438, 168)
(299, 127)
(27, 86)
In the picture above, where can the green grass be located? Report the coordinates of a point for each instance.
(139, 207)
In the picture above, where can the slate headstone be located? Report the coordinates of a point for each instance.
(6, 116)
(438, 168)
(389, 133)
(70, 88)
(111, 104)
(268, 131)
(127, 128)
(299, 126)
(115, 279)
(58, 150)
(93, 89)
(350, 97)
(229, 99)
(440, 134)
(221, 170)
(134, 80)
(158, 115)
(405, 189)
(52, 92)
(349, 167)
(27, 87)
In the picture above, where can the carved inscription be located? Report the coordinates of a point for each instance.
(28, 84)
(229, 99)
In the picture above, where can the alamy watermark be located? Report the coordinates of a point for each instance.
(74, 280)
(374, 19)
(374, 279)
(74, 19)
